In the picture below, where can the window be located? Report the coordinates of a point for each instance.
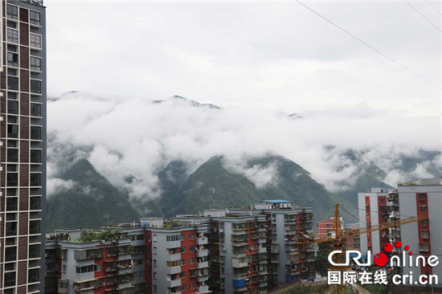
(9, 279)
(35, 133)
(191, 248)
(86, 269)
(34, 227)
(422, 197)
(12, 35)
(11, 204)
(10, 253)
(12, 179)
(35, 203)
(12, 59)
(382, 199)
(183, 275)
(35, 109)
(13, 107)
(13, 83)
(35, 63)
(192, 236)
(424, 235)
(183, 288)
(183, 249)
(36, 86)
(192, 260)
(35, 40)
(171, 238)
(423, 209)
(12, 155)
(424, 223)
(11, 228)
(35, 18)
(183, 262)
(34, 251)
(35, 156)
(192, 285)
(64, 269)
(154, 262)
(12, 12)
(35, 179)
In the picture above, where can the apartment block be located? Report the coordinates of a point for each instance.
(22, 146)
(373, 210)
(109, 261)
(219, 251)
(289, 233)
(352, 242)
(238, 254)
(177, 257)
(326, 228)
(422, 198)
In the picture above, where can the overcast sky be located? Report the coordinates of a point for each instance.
(278, 56)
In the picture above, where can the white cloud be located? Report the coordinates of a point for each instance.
(55, 185)
(127, 140)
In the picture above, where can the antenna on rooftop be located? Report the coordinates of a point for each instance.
(106, 218)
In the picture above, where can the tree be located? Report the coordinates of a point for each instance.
(321, 260)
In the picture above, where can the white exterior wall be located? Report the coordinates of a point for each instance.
(374, 217)
(410, 233)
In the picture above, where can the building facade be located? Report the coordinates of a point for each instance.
(239, 254)
(23, 146)
(291, 251)
(422, 198)
(177, 257)
(326, 228)
(352, 242)
(220, 251)
(373, 210)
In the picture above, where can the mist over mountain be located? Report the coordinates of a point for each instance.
(166, 155)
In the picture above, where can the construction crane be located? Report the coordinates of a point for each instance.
(339, 241)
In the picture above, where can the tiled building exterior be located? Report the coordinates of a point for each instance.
(23, 146)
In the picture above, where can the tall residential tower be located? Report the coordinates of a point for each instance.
(23, 146)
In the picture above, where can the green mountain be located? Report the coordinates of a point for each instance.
(87, 201)
(213, 186)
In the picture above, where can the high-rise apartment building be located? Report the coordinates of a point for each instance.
(373, 210)
(288, 227)
(422, 198)
(23, 146)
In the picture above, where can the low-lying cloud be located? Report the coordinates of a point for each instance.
(129, 139)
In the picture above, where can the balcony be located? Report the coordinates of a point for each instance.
(174, 257)
(173, 244)
(262, 249)
(173, 283)
(173, 270)
(238, 263)
(394, 214)
(203, 289)
(202, 241)
(202, 253)
(204, 264)
(88, 254)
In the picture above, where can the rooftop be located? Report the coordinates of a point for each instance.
(275, 201)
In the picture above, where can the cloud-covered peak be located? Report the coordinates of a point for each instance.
(133, 138)
(176, 99)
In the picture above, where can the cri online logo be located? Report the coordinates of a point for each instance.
(381, 259)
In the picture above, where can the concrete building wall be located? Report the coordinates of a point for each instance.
(410, 232)
(21, 117)
(228, 254)
(280, 238)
